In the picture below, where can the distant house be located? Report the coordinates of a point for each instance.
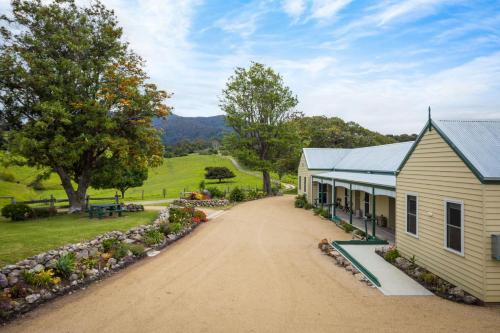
(437, 198)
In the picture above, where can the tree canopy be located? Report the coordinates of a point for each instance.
(73, 94)
(258, 106)
(219, 173)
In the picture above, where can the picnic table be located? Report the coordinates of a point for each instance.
(101, 210)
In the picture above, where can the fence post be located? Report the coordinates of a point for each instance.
(52, 200)
(164, 193)
(117, 198)
(87, 199)
(13, 200)
(142, 195)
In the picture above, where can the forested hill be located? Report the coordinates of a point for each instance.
(314, 131)
(177, 128)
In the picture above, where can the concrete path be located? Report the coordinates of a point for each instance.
(255, 268)
(392, 280)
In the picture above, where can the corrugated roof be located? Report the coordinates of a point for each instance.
(361, 177)
(323, 158)
(383, 158)
(478, 141)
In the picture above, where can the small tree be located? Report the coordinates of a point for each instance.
(259, 107)
(119, 174)
(219, 173)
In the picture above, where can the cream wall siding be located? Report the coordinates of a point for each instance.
(492, 226)
(304, 171)
(436, 173)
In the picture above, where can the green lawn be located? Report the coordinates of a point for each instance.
(19, 240)
(174, 175)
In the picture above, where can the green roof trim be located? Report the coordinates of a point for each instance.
(433, 125)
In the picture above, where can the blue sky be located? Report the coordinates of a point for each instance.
(379, 63)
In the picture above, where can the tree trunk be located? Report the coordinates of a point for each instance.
(76, 198)
(123, 193)
(266, 178)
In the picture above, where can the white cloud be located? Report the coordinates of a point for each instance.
(294, 8)
(327, 9)
(398, 103)
(408, 8)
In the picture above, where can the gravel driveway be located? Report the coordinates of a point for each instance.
(256, 268)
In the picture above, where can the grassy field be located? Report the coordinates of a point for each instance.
(22, 239)
(175, 175)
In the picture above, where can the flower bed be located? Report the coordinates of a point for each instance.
(427, 279)
(43, 277)
(202, 203)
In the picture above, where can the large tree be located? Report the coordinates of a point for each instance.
(258, 107)
(72, 93)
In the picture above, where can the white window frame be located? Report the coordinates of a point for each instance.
(462, 240)
(406, 214)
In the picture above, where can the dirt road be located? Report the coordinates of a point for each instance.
(256, 268)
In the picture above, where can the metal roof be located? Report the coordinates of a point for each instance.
(478, 141)
(323, 158)
(383, 158)
(360, 177)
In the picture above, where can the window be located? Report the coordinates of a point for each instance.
(305, 183)
(454, 226)
(367, 204)
(322, 193)
(300, 181)
(411, 214)
(346, 198)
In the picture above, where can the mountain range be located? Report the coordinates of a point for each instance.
(177, 128)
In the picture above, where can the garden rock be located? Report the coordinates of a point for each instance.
(13, 280)
(32, 298)
(468, 299)
(37, 269)
(112, 262)
(4, 282)
(457, 292)
(73, 277)
(82, 254)
(402, 263)
(129, 241)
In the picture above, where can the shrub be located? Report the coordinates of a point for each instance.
(391, 255)
(7, 177)
(109, 244)
(429, 278)
(164, 228)
(90, 263)
(347, 227)
(317, 211)
(325, 213)
(175, 227)
(41, 279)
(216, 193)
(17, 212)
(65, 265)
(301, 201)
(180, 215)
(136, 249)
(199, 214)
(360, 233)
(120, 251)
(153, 237)
(308, 206)
(202, 185)
(237, 195)
(41, 212)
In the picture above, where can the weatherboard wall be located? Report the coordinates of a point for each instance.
(303, 171)
(492, 226)
(435, 173)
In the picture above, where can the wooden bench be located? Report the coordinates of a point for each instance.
(102, 210)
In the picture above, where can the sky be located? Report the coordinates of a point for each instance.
(378, 63)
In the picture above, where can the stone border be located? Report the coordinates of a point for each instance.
(10, 275)
(439, 287)
(330, 251)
